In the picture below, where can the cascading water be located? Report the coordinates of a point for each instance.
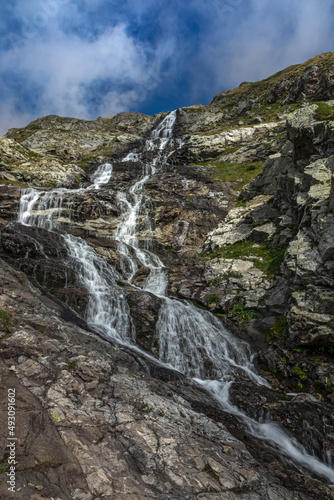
(107, 311)
(189, 338)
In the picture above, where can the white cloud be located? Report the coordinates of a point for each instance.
(10, 118)
(274, 36)
(66, 65)
(211, 46)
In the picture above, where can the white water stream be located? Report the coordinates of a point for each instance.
(189, 338)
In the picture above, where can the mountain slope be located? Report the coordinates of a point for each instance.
(242, 218)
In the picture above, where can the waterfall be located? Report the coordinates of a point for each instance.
(107, 311)
(189, 339)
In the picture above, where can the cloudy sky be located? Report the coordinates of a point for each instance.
(90, 58)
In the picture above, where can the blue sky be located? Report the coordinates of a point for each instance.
(90, 58)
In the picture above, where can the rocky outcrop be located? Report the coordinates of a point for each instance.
(209, 145)
(24, 166)
(70, 139)
(272, 258)
(313, 80)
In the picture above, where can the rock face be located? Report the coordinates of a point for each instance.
(92, 424)
(242, 218)
(276, 253)
(25, 165)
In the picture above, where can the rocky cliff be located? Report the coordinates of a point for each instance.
(243, 221)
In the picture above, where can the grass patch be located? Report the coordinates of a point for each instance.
(313, 351)
(230, 105)
(264, 257)
(231, 274)
(193, 110)
(324, 112)
(241, 314)
(229, 150)
(240, 203)
(280, 327)
(212, 299)
(72, 365)
(34, 156)
(6, 182)
(263, 87)
(55, 417)
(23, 134)
(300, 372)
(240, 173)
(5, 316)
(4, 468)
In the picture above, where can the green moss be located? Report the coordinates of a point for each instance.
(300, 372)
(209, 470)
(55, 417)
(231, 274)
(72, 365)
(324, 112)
(241, 314)
(229, 150)
(280, 327)
(5, 316)
(240, 173)
(34, 156)
(212, 299)
(6, 182)
(266, 258)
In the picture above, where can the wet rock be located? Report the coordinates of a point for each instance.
(300, 414)
(45, 261)
(10, 199)
(144, 312)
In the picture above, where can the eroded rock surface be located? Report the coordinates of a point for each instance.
(92, 424)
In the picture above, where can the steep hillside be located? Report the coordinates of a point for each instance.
(240, 217)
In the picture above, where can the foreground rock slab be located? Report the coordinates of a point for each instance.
(91, 424)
